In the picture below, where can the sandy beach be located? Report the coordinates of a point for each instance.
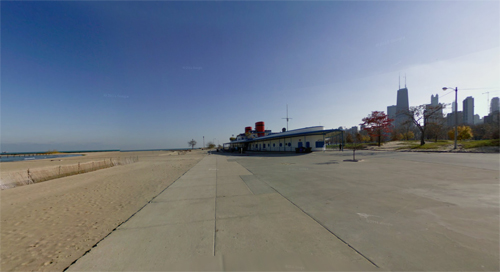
(46, 226)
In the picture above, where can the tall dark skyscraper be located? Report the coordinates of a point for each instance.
(399, 111)
(402, 102)
(402, 106)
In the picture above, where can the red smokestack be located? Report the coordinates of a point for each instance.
(259, 126)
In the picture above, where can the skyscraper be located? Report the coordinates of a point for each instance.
(468, 111)
(437, 117)
(478, 120)
(450, 119)
(495, 104)
(391, 112)
(434, 100)
(402, 107)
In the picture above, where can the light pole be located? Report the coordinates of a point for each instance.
(456, 114)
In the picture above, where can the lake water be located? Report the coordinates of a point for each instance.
(38, 157)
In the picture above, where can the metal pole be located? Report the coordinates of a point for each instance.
(324, 145)
(342, 141)
(456, 117)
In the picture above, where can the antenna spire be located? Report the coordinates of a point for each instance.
(286, 117)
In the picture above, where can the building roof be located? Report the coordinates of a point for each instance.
(288, 134)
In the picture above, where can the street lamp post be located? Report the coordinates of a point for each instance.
(456, 114)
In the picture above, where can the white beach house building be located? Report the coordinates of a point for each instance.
(262, 140)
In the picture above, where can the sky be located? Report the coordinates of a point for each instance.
(150, 75)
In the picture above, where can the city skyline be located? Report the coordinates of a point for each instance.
(148, 75)
(467, 115)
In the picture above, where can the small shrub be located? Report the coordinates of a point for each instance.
(464, 133)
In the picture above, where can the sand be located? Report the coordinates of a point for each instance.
(48, 225)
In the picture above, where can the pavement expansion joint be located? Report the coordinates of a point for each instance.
(161, 225)
(343, 241)
(180, 199)
(126, 220)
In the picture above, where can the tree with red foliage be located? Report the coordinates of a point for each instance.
(377, 124)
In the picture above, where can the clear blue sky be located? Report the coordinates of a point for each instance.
(141, 75)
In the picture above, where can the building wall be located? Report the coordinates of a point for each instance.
(434, 100)
(468, 111)
(402, 99)
(495, 104)
(477, 119)
(492, 118)
(267, 145)
(402, 106)
(450, 119)
(391, 112)
(437, 116)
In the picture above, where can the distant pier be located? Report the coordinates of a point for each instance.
(8, 155)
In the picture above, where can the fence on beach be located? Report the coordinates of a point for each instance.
(35, 175)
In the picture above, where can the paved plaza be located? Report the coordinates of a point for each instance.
(391, 211)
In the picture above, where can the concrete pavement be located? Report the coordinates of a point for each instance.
(404, 211)
(219, 216)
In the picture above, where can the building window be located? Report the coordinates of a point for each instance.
(274, 145)
(281, 144)
(289, 144)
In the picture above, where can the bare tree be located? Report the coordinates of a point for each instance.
(436, 128)
(421, 116)
(406, 130)
(210, 145)
(486, 131)
(192, 143)
(348, 138)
